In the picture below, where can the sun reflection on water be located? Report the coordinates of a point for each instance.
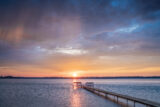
(74, 80)
(75, 100)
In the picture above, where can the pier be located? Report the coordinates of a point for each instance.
(117, 96)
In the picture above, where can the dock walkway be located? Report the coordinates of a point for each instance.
(116, 96)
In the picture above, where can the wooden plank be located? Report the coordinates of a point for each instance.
(137, 100)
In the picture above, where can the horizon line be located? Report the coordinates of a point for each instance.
(88, 77)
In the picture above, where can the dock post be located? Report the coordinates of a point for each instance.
(106, 96)
(134, 103)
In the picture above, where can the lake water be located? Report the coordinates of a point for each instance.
(60, 93)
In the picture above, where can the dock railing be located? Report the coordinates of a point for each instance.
(127, 98)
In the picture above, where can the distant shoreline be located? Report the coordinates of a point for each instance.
(123, 77)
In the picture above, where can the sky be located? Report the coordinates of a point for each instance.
(45, 38)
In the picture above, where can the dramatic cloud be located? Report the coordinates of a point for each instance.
(92, 37)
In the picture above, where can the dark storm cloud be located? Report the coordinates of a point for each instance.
(101, 25)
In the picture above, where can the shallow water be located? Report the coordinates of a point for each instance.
(60, 93)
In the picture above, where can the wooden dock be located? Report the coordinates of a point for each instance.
(116, 96)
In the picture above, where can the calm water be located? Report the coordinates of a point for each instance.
(60, 93)
(141, 88)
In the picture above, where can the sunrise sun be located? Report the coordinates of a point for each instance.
(74, 74)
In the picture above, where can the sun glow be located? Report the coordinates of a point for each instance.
(74, 74)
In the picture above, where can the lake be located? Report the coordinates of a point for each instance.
(60, 93)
